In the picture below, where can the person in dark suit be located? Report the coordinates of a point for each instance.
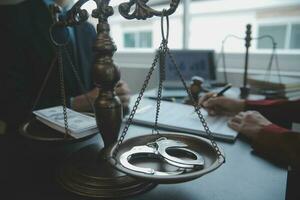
(28, 56)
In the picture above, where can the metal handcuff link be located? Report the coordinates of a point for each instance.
(158, 149)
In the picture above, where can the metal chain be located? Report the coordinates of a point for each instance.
(162, 54)
(277, 66)
(223, 63)
(136, 104)
(78, 79)
(62, 90)
(269, 69)
(197, 108)
(162, 48)
(42, 88)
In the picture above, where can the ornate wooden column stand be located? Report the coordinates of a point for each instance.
(245, 89)
(87, 171)
(106, 75)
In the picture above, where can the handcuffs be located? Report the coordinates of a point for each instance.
(158, 149)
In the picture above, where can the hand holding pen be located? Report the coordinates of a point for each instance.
(217, 104)
(210, 95)
(227, 87)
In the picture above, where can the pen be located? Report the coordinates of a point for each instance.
(227, 87)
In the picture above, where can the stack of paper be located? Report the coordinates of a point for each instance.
(79, 125)
(182, 118)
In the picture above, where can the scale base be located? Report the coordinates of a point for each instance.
(87, 173)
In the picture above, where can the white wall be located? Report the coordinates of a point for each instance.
(208, 31)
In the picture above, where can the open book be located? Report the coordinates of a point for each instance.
(79, 125)
(182, 118)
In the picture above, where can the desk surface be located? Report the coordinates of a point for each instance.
(244, 176)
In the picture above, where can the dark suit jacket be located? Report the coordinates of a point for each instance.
(28, 52)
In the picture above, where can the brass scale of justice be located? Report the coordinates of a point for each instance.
(126, 167)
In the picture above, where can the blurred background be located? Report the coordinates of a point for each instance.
(203, 24)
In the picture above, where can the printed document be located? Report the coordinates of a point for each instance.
(182, 118)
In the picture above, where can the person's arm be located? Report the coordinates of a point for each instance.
(221, 105)
(279, 144)
(269, 140)
(281, 112)
(81, 104)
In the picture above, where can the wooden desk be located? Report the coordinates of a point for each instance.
(244, 176)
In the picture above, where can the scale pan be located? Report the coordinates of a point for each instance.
(198, 144)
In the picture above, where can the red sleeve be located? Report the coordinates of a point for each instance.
(282, 112)
(279, 144)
